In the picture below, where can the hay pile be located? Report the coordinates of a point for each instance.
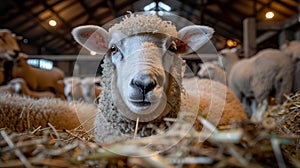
(271, 143)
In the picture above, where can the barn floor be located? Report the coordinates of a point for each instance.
(272, 143)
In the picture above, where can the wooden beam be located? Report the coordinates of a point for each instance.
(288, 6)
(249, 33)
(265, 36)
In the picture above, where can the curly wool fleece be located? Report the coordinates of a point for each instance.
(110, 125)
(134, 24)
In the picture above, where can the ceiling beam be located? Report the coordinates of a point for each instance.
(288, 6)
(268, 5)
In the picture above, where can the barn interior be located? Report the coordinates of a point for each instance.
(43, 29)
(32, 20)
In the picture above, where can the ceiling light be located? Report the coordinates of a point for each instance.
(269, 15)
(93, 53)
(231, 43)
(52, 23)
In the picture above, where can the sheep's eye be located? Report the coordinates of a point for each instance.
(172, 47)
(113, 49)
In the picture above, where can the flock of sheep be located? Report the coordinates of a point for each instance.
(271, 73)
(135, 100)
(18, 77)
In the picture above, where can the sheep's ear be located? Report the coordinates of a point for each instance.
(93, 38)
(194, 37)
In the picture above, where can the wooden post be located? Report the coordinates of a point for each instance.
(249, 33)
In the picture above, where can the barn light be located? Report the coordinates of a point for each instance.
(52, 23)
(231, 43)
(93, 53)
(269, 15)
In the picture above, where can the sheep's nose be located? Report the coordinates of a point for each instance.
(144, 82)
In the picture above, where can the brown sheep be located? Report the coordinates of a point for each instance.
(38, 79)
(20, 86)
(8, 42)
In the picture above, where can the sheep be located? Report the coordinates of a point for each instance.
(20, 87)
(21, 113)
(38, 79)
(142, 80)
(213, 72)
(257, 78)
(292, 48)
(216, 100)
(8, 42)
(227, 58)
(91, 88)
(73, 89)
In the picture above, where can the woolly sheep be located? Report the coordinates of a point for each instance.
(141, 73)
(85, 89)
(257, 78)
(216, 98)
(227, 58)
(19, 113)
(292, 48)
(91, 88)
(38, 79)
(213, 72)
(73, 89)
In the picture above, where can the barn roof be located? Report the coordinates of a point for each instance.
(30, 19)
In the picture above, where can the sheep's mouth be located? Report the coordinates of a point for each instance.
(141, 103)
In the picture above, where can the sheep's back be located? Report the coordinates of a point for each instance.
(20, 113)
(273, 70)
(217, 102)
(239, 80)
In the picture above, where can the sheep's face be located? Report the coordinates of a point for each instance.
(8, 42)
(206, 71)
(143, 64)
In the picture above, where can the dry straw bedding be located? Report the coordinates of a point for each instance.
(272, 143)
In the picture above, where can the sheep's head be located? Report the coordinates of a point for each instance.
(144, 57)
(8, 42)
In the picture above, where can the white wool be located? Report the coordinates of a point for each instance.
(150, 23)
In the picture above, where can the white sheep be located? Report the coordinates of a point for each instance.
(73, 89)
(227, 58)
(213, 72)
(91, 88)
(38, 79)
(20, 113)
(257, 78)
(292, 48)
(141, 73)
